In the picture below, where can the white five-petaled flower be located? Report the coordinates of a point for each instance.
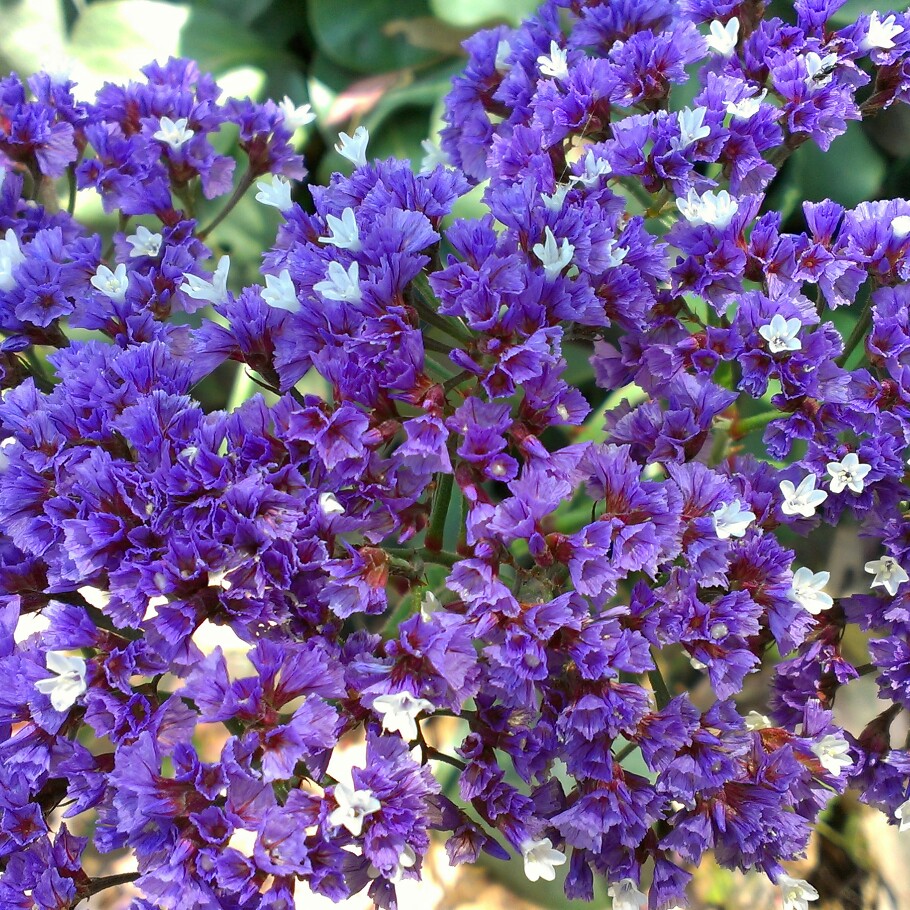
(433, 157)
(756, 721)
(555, 200)
(902, 814)
(626, 895)
(340, 284)
(819, 69)
(888, 574)
(354, 148)
(553, 258)
(541, 859)
(848, 474)
(501, 61)
(214, 291)
(731, 520)
(345, 234)
(746, 108)
(691, 127)
(807, 590)
(11, 256)
(833, 753)
(594, 168)
(330, 505)
(275, 193)
(881, 33)
(112, 284)
(174, 133)
(716, 209)
(556, 63)
(399, 713)
(67, 683)
(353, 807)
(144, 243)
(781, 334)
(802, 500)
(294, 116)
(795, 892)
(722, 38)
(615, 255)
(279, 292)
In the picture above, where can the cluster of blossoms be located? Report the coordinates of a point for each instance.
(453, 540)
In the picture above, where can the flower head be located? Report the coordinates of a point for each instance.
(354, 148)
(716, 209)
(174, 133)
(781, 334)
(112, 284)
(295, 117)
(554, 64)
(722, 37)
(275, 193)
(553, 258)
(881, 33)
(731, 520)
(807, 590)
(802, 500)
(280, 292)
(541, 859)
(68, 682)
(888, 574)
(795, 892)
(353, 807)
(344, 231)
(144, 242)
(399, 712)
(849, 473)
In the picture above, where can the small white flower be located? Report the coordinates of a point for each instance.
(594, 168)
(433, 157)
(406, 860)
(691, 127)
(615, 254)
(716, 209)
(782, 334)
(68, 682)
(341, 284)
(900, 226)
(173, 132)
(833, 753)
(722, 38)
(112, 284)
(807, 590)
(429, 605)
(802, 500)
(541, 859)
(795, 892)
(756, 721)
(888, 574)
(746, 108)
(819, 69)
(902, 814)
(849, 474)
(295, 117)
(275, 193)
(553, 258)
(354, 148)
(345, 234)
(500, 63)
(556, 64)
(881, 34)
(731, 520)
(399, 712)
(214, 291)
(330, 505)
(144, 243)
(11, 256)
(554, 201)
(626, 895)
(280, 292)
(353, 807)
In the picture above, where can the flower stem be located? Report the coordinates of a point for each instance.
(746, 425)
(441, 500)
(857, 335)
(246, 181)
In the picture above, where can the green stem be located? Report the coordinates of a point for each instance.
(658, 684)
(436, 530)
(625, 752)
(437, 557)
(243, 388)
(456, 381)
(423, 299)
(436, 755)
(756, 422)
(246, 181)
(96, 885)
(858, 333)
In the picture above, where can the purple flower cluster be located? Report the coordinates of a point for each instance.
(460, 536)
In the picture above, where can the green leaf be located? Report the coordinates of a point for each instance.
(366, 36)
(243, 11)
(32, 35)
(472, 13)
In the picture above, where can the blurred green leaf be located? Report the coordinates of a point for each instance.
(472, 13)
(32, 35)
(244, 11)
(853, 9)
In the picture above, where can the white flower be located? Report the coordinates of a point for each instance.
(819, 69)
(430, 604)
(902, 814)
(716, 209)
(295, 117)
(848, 474)
(214, 291)
(144, 243)
(900, 226)
(594, 168)
(112, 284)
(67, 684)
(802, 500)
(722, 38)
(747, 107)
(756, 721)
(330, 505)
(556, 64)
(781, 334)
(541, 859)
(10, 257)
(807, 590)
(500, 63)
(888, 574)
(615, 255)
(833, 753)
(881, 34)
(276, 193)
(354, 148)
(345, 234)
(341, 284)
(353, 807)
(433, 157)
(691, 127)
(399, 712)
(795, 892)
(626, 895)
(280, 292)
(554, 201)
(553, 258)
(731, 520)
(173, 132)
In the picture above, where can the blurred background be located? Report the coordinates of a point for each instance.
(386, 64)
